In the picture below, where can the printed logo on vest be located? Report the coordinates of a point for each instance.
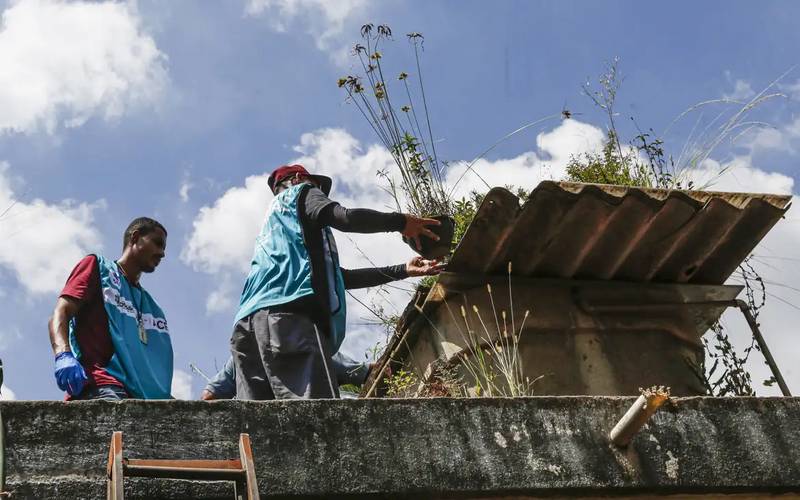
(114, 277)
(123, 305)
(150, 322)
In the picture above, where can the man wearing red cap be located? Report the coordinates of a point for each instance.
(291, 317)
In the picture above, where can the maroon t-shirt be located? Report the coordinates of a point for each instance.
(91, 322)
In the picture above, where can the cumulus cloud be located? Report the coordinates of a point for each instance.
(43, 241)
(181, 385)
(223, 297)
(7, 394)
(324, 20)
(554, 149)
(66, 61)
(739, 175)
(742, 90)
(8, 337)
(792, 89)
(185, 187)
(782, 138)
(223, 234)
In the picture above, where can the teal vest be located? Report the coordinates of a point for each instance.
(145, 369)
(280, 271)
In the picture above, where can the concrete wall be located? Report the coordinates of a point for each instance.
(431, 448)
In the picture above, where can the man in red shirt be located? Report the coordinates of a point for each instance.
(81, 302)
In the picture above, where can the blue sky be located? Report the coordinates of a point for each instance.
(177, 109)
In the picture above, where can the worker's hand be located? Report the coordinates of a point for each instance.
(207, 395)
(422, 267)
(69, 374)
(418, 226)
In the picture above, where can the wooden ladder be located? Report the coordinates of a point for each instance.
(241, 470)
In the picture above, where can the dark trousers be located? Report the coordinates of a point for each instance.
(104, 392)
(281, 355)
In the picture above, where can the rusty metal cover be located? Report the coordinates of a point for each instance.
(604, 232)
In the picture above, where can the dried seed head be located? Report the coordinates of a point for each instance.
(463, 311)
(503, 313)
(509, 267)
(489, 288)
(475, 308)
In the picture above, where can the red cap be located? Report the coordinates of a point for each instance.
(286, 171)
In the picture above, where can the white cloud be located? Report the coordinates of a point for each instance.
(42, 241)
(322, 19)
(186, 186)
(223, 234)
(222, 239)
(181, 385)
(66, 61)
(8, 337)
(793, 89)
(777, 139)
(742, 90)
(223, 297)
(739, 175)
(570, 138)
(7, 394)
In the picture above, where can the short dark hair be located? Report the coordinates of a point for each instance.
(145, 225)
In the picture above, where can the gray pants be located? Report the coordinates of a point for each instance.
(281, 355)
(105, 392)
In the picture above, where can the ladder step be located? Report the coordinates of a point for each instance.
(186, 464)
(176, 472)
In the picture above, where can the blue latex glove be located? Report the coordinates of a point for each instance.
(69, 373)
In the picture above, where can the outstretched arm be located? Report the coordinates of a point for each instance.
(376, 276)
(325, 212)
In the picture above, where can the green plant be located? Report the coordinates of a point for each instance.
(728, 375)
(492, 356)
(643, 161)
(405, 131)
(350, 388)
(401, 384)
(607, 167)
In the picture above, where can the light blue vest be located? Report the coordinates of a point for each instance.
(280, 271)
(145, 369)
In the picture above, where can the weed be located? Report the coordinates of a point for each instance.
(405, 131)
(401, 384)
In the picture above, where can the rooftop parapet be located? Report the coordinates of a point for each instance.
(429, 448)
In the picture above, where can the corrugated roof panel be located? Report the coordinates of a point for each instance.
(603, 232)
